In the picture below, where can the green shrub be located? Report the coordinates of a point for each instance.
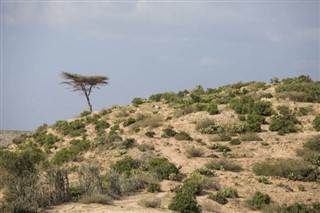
(150, 134)
(235, 141)
(303, 208)
(229, 192)
(301, 89)
(128, 143)
(64, 155)
(259, 200)
(285, 122)
(194, 152)
(222, 195)
(101, 125)
(243, 105)
(162, 167)
(44, 139)
(229, 128)
(292, 169)
(264, 180)
(85, 113)
(183, 136)
(126, 166)
(262, 108)
(313, 143)
(219, 147)
(304, 111)
(169, 132)
(219, 198)
(17, 163)
(204, 123)
(204, 171)
(129, 121)
(223, 165)
(71, 153)
(212, 109)
(156, 97)
(20, 139)
(153, 187)
(74, 128)
(183, 202)
(316, 123)
(145, 147)
(137, 101)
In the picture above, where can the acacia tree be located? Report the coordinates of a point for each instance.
(84, 84)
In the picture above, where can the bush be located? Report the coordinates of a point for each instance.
(235, 141)
(126, 166)
(262, 108)
(128, 143)
(153, 187)
(74, 128)
(204, 171)
(169, 132)
(292, 169)
(20, 139)
(243, 105)
(259, 200)
(229, 128)
(183, 136)
(183, 202)
(101, 125)
(313, 143)
(17, 163)
(194, 152)
(301, 89)
(161, 167)
(222, 195)
(264, 180)
(224, 165)
(145, 147)
(303, 208)
(137, 101)
(316, 123)
(219, 198)
(229, 192)
(129, 121)
(285, 122)
(71, 153)
(202, 124)
(150, 134)
(85, 113)
(150, 202)
(219, 147)
(212, 109)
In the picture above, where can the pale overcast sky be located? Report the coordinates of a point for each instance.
(145, 47)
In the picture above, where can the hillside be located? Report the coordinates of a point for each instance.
(6, 136)
(244, 147)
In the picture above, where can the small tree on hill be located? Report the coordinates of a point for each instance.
(84, 84)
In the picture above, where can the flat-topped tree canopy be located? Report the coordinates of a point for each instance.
(84, 84)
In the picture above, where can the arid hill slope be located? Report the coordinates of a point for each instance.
(226, 144)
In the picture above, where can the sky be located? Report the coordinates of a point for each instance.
(145, 47)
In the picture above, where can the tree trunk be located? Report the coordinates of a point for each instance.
(88, 100)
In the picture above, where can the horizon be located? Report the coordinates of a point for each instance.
(145, 47)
